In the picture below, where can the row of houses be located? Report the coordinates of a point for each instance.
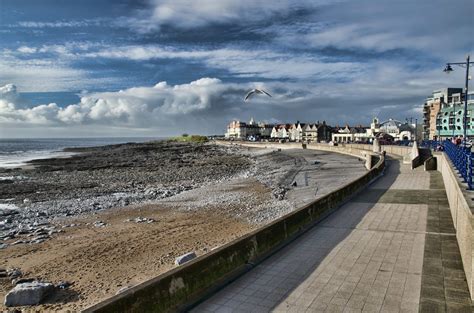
(390, 130)
(307, 132)
(315, 132)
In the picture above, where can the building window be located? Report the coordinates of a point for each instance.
(445, 120)
(446, 113)
(459, 112)
(459, 127)
(458, 120)
(445, 128)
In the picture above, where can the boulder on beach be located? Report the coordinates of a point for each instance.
(28, 293)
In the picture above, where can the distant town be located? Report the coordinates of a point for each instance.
(442, 119)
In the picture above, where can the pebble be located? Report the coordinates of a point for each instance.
(141, 220)
(99, 224)
(64, 284)
(14, 273)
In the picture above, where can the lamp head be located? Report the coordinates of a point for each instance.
(448, 69)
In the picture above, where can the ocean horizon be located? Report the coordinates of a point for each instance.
(16, 152)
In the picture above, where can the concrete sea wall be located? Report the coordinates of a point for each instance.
(460, 204)
(177, 289)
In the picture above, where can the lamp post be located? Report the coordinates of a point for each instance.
(449, 69)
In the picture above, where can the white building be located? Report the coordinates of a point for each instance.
(395, 130)
(241, 130)
(281, 131)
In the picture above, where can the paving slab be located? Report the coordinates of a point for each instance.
(391, 249)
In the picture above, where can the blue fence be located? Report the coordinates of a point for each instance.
(463, 160)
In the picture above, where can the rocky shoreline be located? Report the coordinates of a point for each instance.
(36, 201)
(111, 217)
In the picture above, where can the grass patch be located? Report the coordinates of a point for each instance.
(189, 138)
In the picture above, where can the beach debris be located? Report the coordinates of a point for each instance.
(64, 284)
(141, 220)
(31, 293)
(185, 258)
(99, 224)
(124, 288)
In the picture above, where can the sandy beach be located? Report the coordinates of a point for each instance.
(111, 217)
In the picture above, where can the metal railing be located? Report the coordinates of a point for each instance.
(431, 144)
(463, 160)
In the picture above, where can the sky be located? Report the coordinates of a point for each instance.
(165, 67)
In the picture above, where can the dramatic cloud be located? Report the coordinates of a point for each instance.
(134, 107)
(340, 61)
(207, 104)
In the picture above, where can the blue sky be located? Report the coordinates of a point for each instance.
(158, 68)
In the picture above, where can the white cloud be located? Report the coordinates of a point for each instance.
(264, 63)
(430, 27)
(189, 14)
(26, 50)
(208, 103)
(37, 73)
(8, 93)
(134, 107)
(59, 24)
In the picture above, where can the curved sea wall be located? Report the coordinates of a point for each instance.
(178, 289)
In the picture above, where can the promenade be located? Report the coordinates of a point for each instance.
(392, 248)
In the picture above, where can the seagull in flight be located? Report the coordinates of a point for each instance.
(256, 91)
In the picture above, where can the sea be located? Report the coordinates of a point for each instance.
(15, 152)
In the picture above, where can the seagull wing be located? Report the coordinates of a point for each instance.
(249, 94)
(263, 91)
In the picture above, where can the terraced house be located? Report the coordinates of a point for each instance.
(303, 132)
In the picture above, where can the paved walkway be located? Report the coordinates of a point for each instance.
(391, 249)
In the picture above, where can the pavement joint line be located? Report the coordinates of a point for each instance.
(392, 231)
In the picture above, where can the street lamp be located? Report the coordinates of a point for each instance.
(449, 69)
